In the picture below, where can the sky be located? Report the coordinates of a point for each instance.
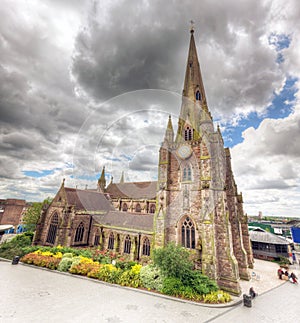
(86, 84)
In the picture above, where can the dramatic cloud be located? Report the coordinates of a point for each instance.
(66, 67)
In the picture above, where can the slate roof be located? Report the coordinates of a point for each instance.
(87, 200)
(134, 190)
(126, 220)
(267, 237)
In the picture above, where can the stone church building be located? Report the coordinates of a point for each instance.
(194, 203)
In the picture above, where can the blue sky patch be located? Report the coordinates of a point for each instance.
(280, 41)
(38, 174)
(281, 107)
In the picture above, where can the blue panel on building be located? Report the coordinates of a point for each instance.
(296, 234)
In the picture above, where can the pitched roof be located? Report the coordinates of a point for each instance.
(267, 237)
(126, 220)
(134, 190)
(87, 200)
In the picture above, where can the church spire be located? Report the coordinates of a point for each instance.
(169, 135)
(102, 181)
(193, 85)
(122, 178)
(194, 110)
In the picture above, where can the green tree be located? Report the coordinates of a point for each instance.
(173, 261)
(33, 213)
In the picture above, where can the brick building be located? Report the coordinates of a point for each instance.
(12, 211)
(194, 203)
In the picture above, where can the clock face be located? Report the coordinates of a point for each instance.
(184, 151)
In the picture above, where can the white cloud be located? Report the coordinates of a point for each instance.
(61, 59)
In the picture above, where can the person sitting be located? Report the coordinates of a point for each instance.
(252, 293)
(280, 273)
(286, 275)
(293, 278)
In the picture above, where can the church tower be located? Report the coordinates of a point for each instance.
(198, 206)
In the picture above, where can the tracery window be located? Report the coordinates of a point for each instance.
(124, 207)
(127, 244)
(138, 208)
(188, 134)
(187, 173)
(52, 229)
(79, 233)
(146, 247)
(152, 208)
(111, 241)
(188, 234)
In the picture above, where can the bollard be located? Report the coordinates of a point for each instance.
(15, 260)
(247, 300)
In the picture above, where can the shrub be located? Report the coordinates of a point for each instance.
(173, 261)
(82, 266)
(65, 264)
(151, 277)
(172, 286)
(107, 273)
(201, 284)
(218, 296)
(131, 277)
(15, 246)
(103, 256)
(68, 255)
(125, 264)
(38, 259)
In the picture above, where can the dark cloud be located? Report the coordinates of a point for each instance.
(60, 59)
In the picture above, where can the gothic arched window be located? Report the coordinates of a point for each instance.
(188, 234)
(127, 244)
(146, 247)
(188, 134)
(125, 207)
(52, 229)
(79, 233)
(198, 96)
(97, 238)
(152, 208)
(111, 241)
(138, 208)
(187, 174)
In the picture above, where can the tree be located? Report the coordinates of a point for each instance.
(33, 214)
(173, 261)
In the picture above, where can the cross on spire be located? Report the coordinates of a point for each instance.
(192, 25)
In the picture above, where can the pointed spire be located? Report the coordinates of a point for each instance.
(194, 110)
(102, 181)
(193, 85)
(122, 177)
(169, 135)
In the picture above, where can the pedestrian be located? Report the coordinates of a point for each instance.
(286, 274)
(294, 258)
(279, 273)
(294, 278)
(252, 292)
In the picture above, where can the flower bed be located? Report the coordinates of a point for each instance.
(188, 284)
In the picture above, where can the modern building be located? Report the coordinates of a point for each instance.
(195, 202)
(269, 246)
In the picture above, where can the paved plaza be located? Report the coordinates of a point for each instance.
(30, 294)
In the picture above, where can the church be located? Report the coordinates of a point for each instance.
(194, 203)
